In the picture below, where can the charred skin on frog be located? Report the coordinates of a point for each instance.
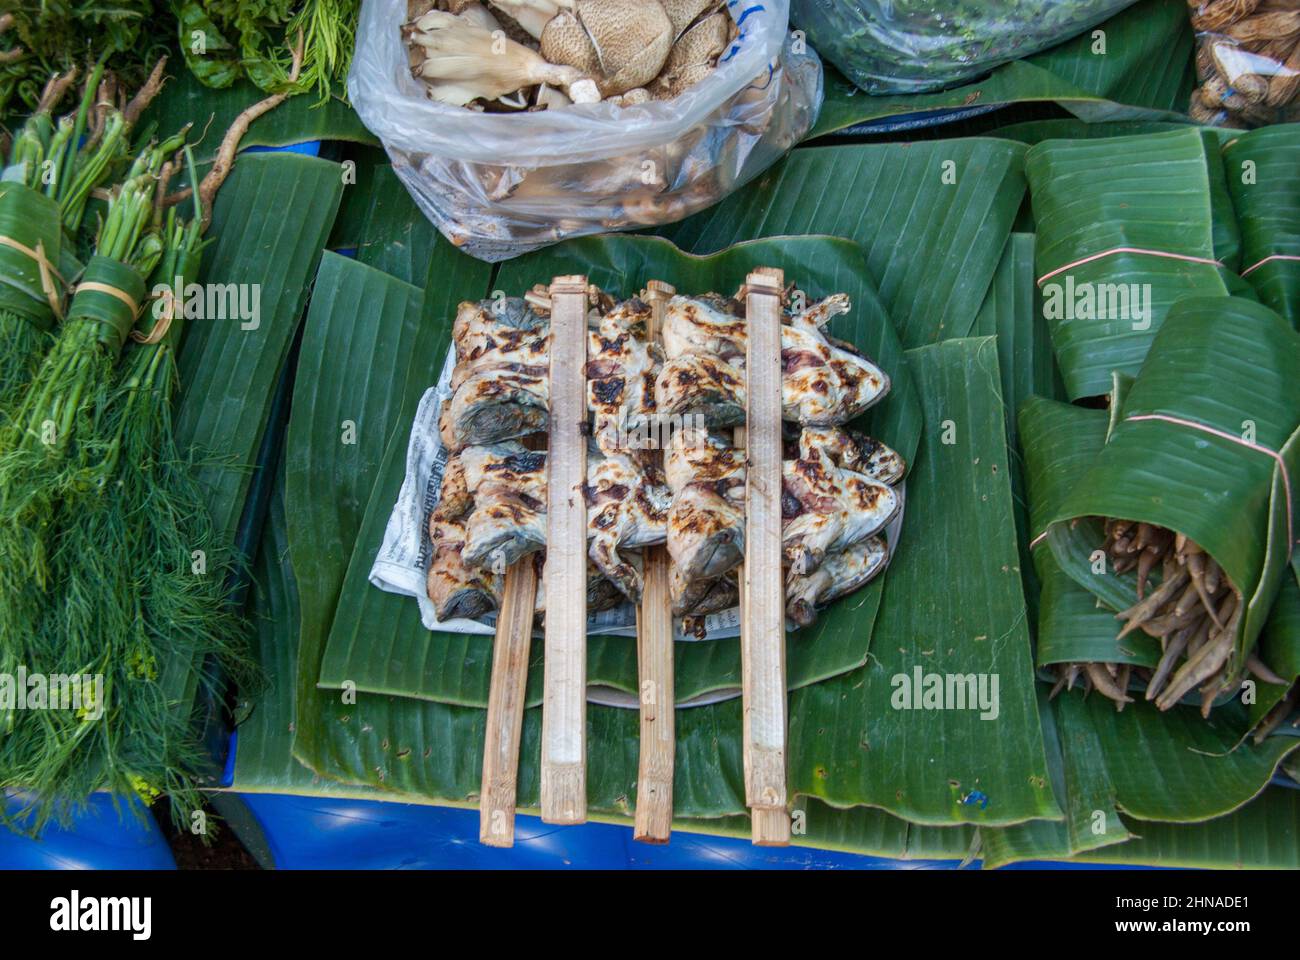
(824, 382)
(1194, 611)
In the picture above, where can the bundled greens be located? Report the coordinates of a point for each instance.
(111, 567)
(53, 168)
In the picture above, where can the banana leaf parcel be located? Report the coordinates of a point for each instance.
(1203, 445)
(1126, 227)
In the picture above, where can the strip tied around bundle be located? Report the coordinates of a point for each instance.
(49, 273)
(109, 294)
(163, 322)
(1117, 250)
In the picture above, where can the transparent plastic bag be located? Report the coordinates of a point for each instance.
(501, 184)
(1247, 62)
(911, 46)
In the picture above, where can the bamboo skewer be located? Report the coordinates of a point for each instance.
(762, 598)
(505, 712)
(654, 792)
(564, 709)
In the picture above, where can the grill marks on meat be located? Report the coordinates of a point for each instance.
(458, 591)
(840, 573)
(824, 382)
(836, 496)
(500, 383)
(706, 522)
(508, 484)
(498, 495)
(626, 508)
(837, 491)
(621, 369)
(836, 507)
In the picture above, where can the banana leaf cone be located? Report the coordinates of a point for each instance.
(32, 288)
(1127, 226)
(1264, 181)
(1195, 464)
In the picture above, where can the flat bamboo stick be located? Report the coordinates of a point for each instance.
(505, 712)
(763, 595)
(654, 632)
(564, 706)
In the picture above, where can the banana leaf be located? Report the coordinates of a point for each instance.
(1033, 132)
(381, 223)
(1262, 834)
(951, 611)
(1164, 193)
(1011, 313)
(380, 646)
(932, 217)
(269, 225)
(1146, 71)
(1264, 181)
(1231, 365)
(297, 120)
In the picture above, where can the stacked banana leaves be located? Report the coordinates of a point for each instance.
(363, 702)
(456, 667)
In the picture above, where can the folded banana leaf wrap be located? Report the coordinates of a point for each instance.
(1126, 226)
(109, 293)
(1203, 442)
(31, 242)
(1263, 178)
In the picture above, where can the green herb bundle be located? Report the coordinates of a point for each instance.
(53, 168)
(47, 449)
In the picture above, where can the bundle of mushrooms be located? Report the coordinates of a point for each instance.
(1247, 62)
(511, 55)
(1194, 611)
(684, 394)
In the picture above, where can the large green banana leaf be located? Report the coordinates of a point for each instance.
(1262, 834)
(953, 606)
(269, 225)
(381, 648)
(932, 217)
(185, 100)
(1011, 313)
(1263, 178)
(1144, 70)
(381, 224)
(1158, 194)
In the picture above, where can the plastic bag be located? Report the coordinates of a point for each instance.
(910, 46)
(501, 184)
(1247, 62)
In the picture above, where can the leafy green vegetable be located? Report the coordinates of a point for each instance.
(910, 46)
(224, 40)
(50, 36)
